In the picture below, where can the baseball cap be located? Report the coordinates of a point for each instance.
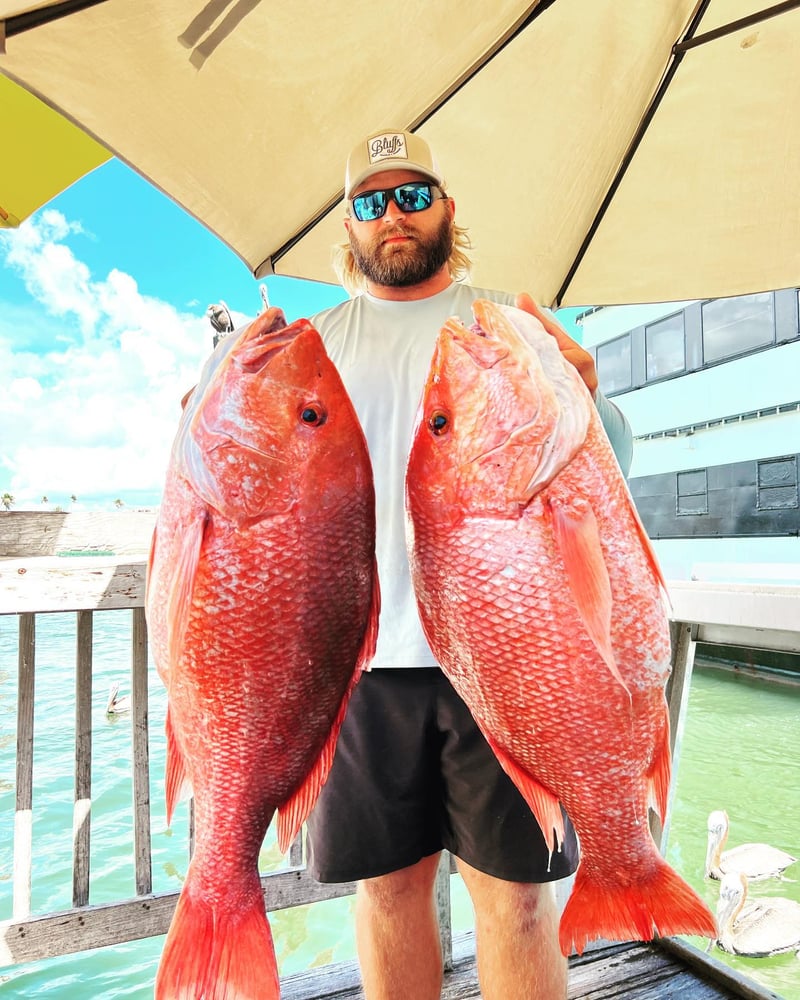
(389, 151)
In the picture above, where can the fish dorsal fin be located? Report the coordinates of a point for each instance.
(177, 786)
(649, 551)
(577, 539)
(370, 640)
(543, 803)
(294, 812)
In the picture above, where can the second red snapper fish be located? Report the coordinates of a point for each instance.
(262, 605)
(541, 597)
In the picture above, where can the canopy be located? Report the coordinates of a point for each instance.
(598, 152)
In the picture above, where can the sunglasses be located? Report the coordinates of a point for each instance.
(415, 196)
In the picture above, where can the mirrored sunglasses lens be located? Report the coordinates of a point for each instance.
(369, 206)
(413, 197)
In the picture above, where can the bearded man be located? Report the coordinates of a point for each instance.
(412, 774)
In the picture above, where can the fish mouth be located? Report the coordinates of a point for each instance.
(486, 350)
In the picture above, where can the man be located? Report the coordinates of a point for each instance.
(412, 774)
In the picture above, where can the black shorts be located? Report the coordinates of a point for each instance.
(413, 774)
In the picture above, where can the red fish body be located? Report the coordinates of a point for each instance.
(262, 604)
(541, 598)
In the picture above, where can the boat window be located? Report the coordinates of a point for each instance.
(777, 483)
(614, 364)
(665, 345)
(693, 492)
(734, 326)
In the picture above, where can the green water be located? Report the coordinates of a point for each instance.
(740, 750)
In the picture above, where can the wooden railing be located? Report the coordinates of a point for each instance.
(31, 585)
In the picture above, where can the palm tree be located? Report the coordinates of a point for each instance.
(7, 501)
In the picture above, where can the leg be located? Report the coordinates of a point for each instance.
(397, 934)
(516, 935)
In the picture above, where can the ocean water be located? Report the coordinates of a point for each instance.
(740, 751)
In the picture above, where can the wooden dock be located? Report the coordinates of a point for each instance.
(660, 971)
(52, 575)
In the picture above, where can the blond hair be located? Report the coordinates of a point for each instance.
(354, 280)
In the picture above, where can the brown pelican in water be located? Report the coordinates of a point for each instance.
(759, 927)
(756, 861)
(116, 705)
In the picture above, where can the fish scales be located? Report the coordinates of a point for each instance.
(262, 604)
(541, 599)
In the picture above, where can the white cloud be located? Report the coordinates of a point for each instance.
(93, 382)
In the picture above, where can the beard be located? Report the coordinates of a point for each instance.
(409, 264)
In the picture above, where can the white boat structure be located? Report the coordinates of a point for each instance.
(711, 390)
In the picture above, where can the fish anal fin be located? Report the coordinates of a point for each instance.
(660, 770)
(544, 805)
(231, 953)
(577, 539)
(176, 781)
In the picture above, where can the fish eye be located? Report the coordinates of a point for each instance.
(438, 422)
(313, 414)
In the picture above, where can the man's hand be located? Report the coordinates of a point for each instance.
(571, 350)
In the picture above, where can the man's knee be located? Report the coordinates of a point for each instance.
(406, 886)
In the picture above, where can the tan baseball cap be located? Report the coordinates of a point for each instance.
(389, 151)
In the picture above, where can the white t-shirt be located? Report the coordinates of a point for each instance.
(383, 350)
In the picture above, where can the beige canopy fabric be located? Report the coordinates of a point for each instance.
(598, 152)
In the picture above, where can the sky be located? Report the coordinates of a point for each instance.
(103, 328)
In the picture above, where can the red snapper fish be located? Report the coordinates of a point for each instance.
(541, 597)
(262, 605)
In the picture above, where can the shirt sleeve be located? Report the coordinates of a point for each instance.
(618, 429)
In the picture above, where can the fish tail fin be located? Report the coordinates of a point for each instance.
(662, 904)
(218, 953)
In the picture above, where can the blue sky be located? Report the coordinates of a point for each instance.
(103, 295)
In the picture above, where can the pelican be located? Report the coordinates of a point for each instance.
(756, 861)
(757, 928)
(117, 706)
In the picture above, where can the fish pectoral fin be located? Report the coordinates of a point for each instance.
(183, 573)
(177, 786)
(544, 805)
(577, 539)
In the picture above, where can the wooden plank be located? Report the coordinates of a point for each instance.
(442, 890)
(26, 533)
(82, 583)
(716, 971)
(140, 749)
(342, 981)
(82, 809)
(115, 923)
(23, 815)
(682, 640)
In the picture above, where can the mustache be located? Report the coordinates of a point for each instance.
(395, 232)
